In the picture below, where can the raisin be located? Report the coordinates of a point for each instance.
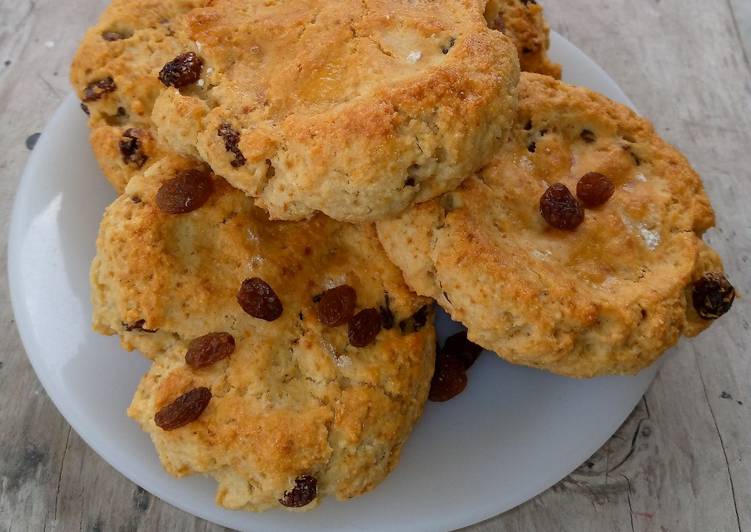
(186, 408)
(415, 322)
(231, 140)
(182, 70)
(594, 189)
(137, 325)
(449, 378)
(387, 317)
(364, 327)
(112, 36)
(560, 208)
(131, 147)
(97, 89)
(304, 492)
(458, 346)
(587, 136)
(186, 192)
(712, 295)
(85, 109)
(337, 305)
(208, 349)
(499, 24)
(445, 49)
(259, 300)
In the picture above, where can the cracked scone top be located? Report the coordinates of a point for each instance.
(605, 298)
(295, 399)
(356, 109)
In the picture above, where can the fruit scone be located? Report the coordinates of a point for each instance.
(290, 360)
(356, 109)
(523, 21)
(579, 249)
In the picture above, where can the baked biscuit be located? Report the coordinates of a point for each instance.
(523, 21)
(607, 297)
(115, 74)
(288, 399)
(355, 109)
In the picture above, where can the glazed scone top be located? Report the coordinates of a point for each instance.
(356, 109)
(295, 398)
(608, 297)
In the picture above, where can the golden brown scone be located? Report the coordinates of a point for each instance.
(605, 298)
(523, 21)
(295, 398)
(353, 108)
(118, 61)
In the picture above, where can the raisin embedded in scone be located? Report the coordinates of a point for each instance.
(354, 109)
(578, 249)
(263, 375)
(523, 21)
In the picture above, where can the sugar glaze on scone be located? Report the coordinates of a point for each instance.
(523, 21)
(294, 400)
(356, 109)
(605, 298)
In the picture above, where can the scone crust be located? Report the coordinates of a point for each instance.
(294, 398)
(524, 22)
(607, 298)
(356, 109)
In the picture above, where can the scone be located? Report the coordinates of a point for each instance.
(115, 73)
(354, 109)
(600, 283)
(523, 21)
(290, 360)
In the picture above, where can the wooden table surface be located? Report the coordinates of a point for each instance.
(681, 462)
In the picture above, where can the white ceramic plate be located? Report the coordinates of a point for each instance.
(512, 434)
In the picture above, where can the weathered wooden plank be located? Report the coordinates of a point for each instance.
(681, 461)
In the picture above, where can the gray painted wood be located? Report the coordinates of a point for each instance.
(683, 459)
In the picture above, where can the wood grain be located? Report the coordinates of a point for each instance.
(682, 461)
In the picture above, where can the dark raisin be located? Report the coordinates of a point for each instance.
(712, 295)
(409, 182)
(182, 70)
(337, 305)
(186, 192)
(186, 408)
(416, 321)
(458, 346)
(449, 378)
(259, 300)
(528, 125)
(498, 24)
(112, 36)
(85, 109)
(131, 147)
(138, 325)
(231, 140)
(527, 2)
(387, 317)
(364, 327)
(304, 492)
(587, 136)
(97, 89)
(445, 49)
(594, 189)
(560, 208)
(208, 349)
(532, 147)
